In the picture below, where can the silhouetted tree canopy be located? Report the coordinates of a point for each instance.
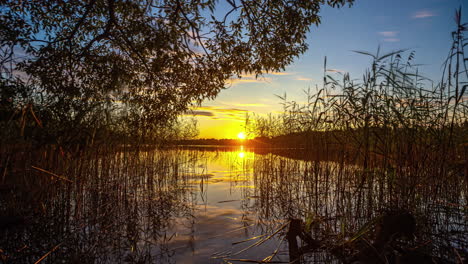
(152, 58)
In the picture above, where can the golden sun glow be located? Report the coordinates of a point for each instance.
(241, 135)
(241, 153)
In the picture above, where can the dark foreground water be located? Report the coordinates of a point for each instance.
(217, 205)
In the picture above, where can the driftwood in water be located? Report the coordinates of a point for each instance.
(295, 230)
(391, 226)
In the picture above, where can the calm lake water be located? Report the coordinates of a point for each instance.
(223, 199)
(216, 205)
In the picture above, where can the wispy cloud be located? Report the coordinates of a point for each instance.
(219, 113)
(229, 110)
(391, 39)
(200, 113)
(423, 14)
(281, 73)
(300, 78)
(248, 79)
(389, 34)
(243, 80)
(336, 70)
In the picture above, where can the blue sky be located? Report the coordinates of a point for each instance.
(424, 26)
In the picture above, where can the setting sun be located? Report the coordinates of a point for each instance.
(241, 135)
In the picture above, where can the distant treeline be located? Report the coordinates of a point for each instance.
(307, 140)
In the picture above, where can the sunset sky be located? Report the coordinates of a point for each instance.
(424, 26)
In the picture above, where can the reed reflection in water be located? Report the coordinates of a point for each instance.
(213, 205)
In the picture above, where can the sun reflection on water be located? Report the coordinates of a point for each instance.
(241, 153)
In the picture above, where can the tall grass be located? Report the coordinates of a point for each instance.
(340, 203)
(105, 205)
